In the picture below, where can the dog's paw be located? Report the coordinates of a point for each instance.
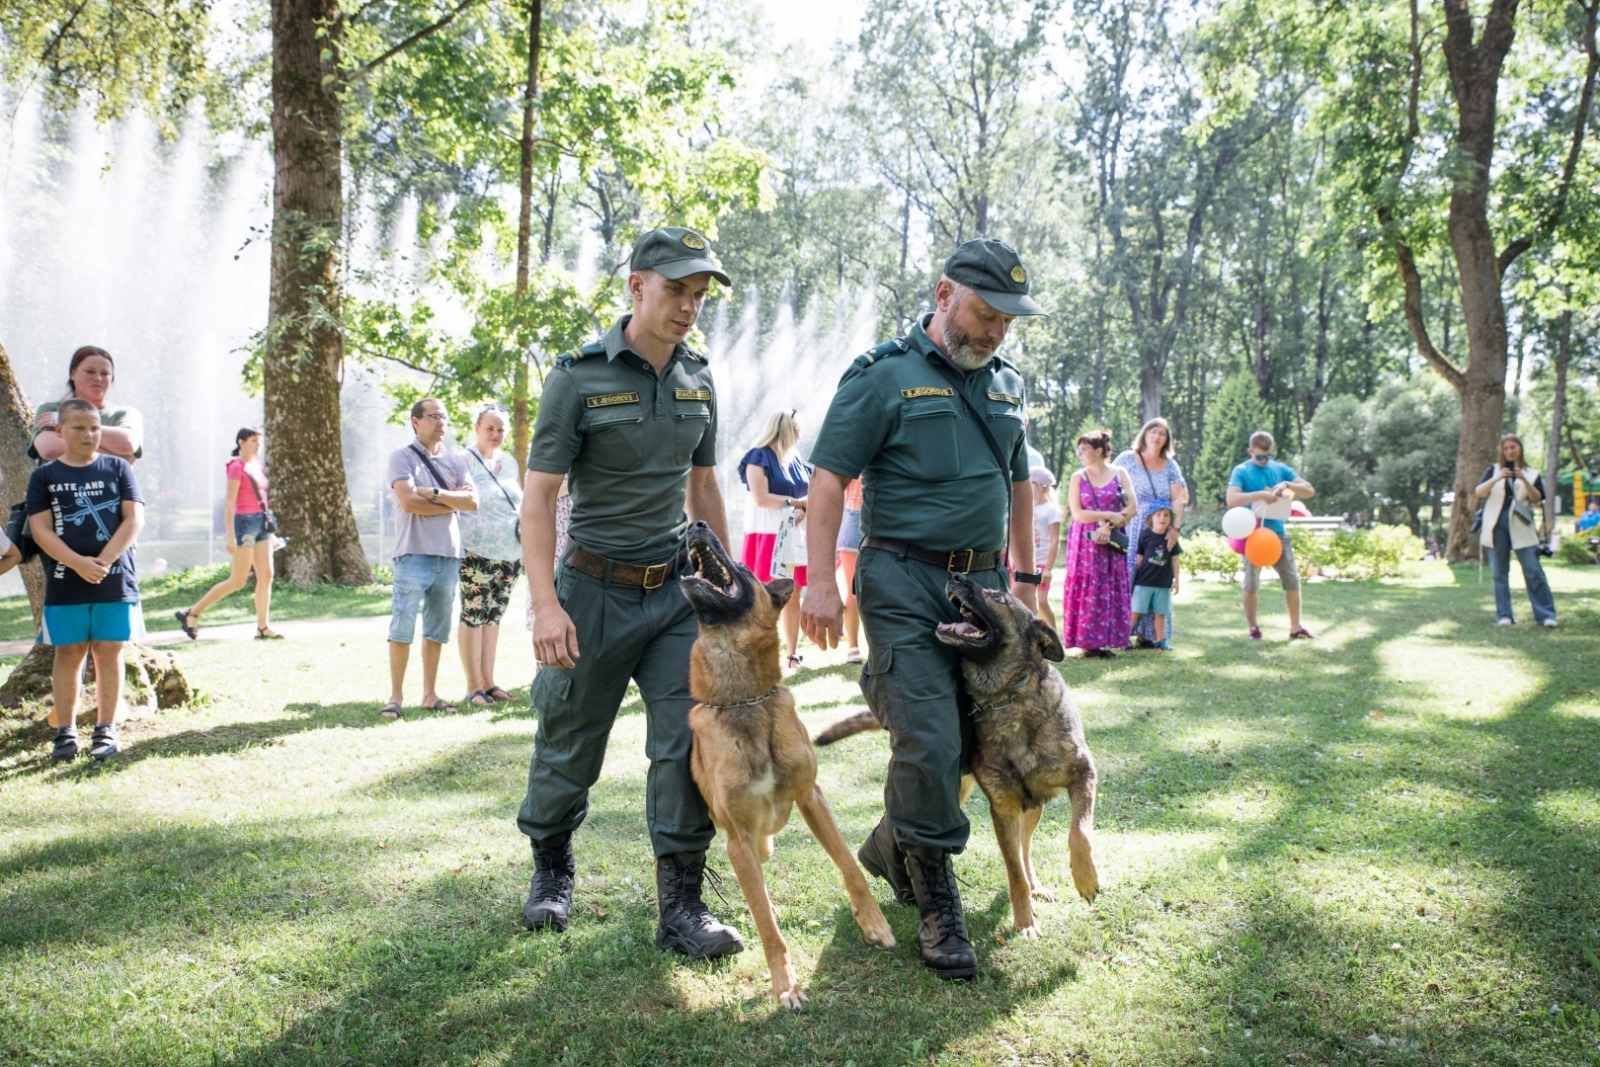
(1040, 892)
(1030, 932)
(793, 999)
(875, 927)
(1088, 883)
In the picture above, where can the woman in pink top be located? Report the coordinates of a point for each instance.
(244, 515)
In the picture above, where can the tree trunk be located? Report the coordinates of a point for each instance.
(305, 340)
(1558, 414)
(521, 422)
(16, 432)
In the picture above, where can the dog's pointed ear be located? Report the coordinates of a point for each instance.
(780, 590)
(1048, 640)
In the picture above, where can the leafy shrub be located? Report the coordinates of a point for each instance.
(1575, 550)
(1360, 555)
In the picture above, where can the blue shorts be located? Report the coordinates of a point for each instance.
(73, 624)
(849, 532)
(1148, 600)
(427, 583)
(248, 529)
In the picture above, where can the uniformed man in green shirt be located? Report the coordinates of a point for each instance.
(909, 418)
(632, 422)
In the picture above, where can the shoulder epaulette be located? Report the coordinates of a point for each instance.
(889, 348)
(698, 357)
(596, 349)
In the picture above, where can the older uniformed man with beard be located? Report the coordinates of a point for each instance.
(933, 424)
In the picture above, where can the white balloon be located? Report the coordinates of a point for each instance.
(1238, 522)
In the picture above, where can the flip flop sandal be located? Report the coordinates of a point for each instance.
(480, 699)
(191, 632)
(441, 705)
(496, 693)
(853, 656)
(390, 712)
(265, 633)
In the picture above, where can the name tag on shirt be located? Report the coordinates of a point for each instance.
(692, 394)
(926, 390)
(1007, 397)
(610, 399)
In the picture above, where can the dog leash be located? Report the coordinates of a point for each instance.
(1007, 691)
(744, 703)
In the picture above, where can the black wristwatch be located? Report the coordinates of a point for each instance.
(436, 492)
(1029, 577)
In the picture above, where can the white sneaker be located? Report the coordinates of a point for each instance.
(1505, 622)
(1550, 623)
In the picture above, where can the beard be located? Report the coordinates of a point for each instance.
(962, 352)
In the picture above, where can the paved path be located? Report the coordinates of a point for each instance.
(246, 631)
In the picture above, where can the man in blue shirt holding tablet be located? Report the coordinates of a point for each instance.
(1263, 480)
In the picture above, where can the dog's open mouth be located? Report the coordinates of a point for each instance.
(710, 570)
(970, 628)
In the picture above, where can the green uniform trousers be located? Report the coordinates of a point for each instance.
(913, 686)
(623, 632)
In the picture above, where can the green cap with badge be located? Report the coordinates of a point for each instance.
(675, 252)
(994, 271)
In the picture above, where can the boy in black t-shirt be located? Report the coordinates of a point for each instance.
(1155, 578)
(84, 511)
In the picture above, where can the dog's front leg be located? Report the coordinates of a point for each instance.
(1030, 824)
(742, 855)
(1080, 839)
(863, 905)
(1008, 835)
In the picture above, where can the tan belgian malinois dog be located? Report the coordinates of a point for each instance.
(1030, 740)
(752, 757)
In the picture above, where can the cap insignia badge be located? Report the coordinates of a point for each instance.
(1019, 275)
(694, 241)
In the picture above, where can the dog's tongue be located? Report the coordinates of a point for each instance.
(961, 629)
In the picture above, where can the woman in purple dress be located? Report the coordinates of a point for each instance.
(1095, 598)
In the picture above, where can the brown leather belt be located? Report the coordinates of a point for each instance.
(961, 561)
(652, 577)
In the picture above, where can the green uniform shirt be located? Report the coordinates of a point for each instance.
(626, 440)
(927, 474)
(121, 417)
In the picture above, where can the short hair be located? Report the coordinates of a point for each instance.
(1262, 439)
(72, 406)
(1099, 440)
(958, 292)
(416, 409)
(781, 433)
(1138, 442)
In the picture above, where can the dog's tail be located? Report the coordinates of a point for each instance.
(860, 722)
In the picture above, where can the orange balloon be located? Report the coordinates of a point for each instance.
(1263, 547)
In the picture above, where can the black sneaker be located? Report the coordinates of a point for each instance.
(549, 903)
(66, 746)
(684, 923)
(103, 745)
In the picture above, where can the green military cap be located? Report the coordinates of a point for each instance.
(675, 252)
(994, 271)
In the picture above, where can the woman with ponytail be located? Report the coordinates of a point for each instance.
(245, 516)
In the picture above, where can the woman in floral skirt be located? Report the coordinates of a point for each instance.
(1096, 595)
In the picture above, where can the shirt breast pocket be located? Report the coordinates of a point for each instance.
(930, 433)
(1005, 422)
(693, 419)
(612, 438)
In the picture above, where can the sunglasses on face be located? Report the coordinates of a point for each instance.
(1263, 457)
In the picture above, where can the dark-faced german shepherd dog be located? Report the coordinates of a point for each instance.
(1030, 743)
(752, 758)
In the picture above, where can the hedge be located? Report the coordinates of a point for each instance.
(1359, 555)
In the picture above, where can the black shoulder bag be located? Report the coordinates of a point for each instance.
(19, 533)
(949, 374)
(516, 524)
(271, 525)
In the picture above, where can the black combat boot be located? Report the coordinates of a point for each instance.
(946, 950)
(684, 923)
(550, 898)
(881, 856)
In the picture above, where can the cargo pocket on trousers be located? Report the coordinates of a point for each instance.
(550, 690)
(877, 685)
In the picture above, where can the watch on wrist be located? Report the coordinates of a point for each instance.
(436, 492)
(1028, 577)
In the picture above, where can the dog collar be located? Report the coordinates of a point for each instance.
(744, 703)
(1009, 690)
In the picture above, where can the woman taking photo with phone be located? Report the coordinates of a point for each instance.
(246, 516)
(1511, 492)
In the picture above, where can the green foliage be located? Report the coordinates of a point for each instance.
(1234, 416)
(1205, 552)
(1361, 554)
(1575, 550)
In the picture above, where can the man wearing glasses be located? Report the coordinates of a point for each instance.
(429, 486)
(1263, 480)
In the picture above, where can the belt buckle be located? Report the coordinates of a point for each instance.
(660, 570)
(950, 566)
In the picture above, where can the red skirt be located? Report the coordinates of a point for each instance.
(758, 557)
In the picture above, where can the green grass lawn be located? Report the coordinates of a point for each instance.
(1381, 847)
(166, 594)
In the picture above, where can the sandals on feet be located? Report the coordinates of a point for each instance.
(853, 656)
(1301, 634)
(494, 692)
(390, 711)
(480, 698)
(441, 705)
(796, 663)
(266, 633)
(189, 631)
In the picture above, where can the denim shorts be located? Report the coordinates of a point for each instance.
(427, 583)
(248, 529)
(849, 532)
